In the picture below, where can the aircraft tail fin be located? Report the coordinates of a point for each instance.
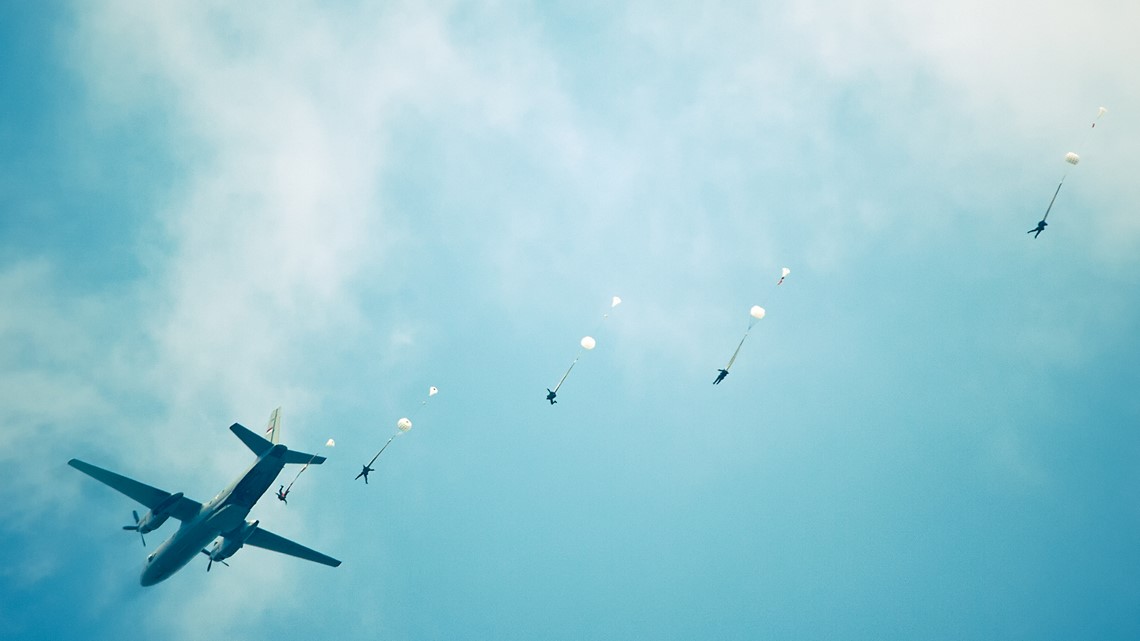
(273, 427)
(254, 442)
(302, 458)
(260, 445)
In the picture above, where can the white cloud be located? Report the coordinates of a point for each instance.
(276, 225)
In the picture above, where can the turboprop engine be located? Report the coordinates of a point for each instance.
(153, 519)
(229, 544)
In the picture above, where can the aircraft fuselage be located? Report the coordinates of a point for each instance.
(222, 514)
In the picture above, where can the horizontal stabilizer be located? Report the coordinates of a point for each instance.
(301, 458)
(254, 442)
(265, 539)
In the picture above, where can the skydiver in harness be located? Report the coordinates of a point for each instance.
(364, 472)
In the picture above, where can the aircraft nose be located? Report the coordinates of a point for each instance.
(149, 577)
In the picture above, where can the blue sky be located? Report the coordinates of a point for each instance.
(210, 211)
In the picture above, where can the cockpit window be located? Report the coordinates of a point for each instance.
(150, 557)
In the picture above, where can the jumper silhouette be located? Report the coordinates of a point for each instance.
(364, 472)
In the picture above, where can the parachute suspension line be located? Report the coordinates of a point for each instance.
(1072, 159)
(751, 323)
(1054, 199)
(755, 314)
(382, 449)
(563, 379)
(403, 425)
(587, 343)
(303, 468)
(733, 359)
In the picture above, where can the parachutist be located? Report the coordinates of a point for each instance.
(720, 376)
(550, 396)
(364, 472)
(281, 494)
(1073, 159)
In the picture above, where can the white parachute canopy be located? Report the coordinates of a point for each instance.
(588, 342)
(616, 301)
(330, 443)
(432, 391)
(404, 424)
(1100, 112)
(784, 272)
(756, 312)
(1072, 158)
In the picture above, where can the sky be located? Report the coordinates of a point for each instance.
(209, 210)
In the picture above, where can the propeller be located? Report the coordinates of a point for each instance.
(135, 527)
(211, 563)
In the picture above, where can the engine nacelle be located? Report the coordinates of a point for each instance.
(154, 519)
(232, 541)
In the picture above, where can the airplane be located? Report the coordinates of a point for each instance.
(224, 515)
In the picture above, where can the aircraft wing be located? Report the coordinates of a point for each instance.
(183, 510)
(265, 539)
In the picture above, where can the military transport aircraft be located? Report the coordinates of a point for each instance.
(224, 515)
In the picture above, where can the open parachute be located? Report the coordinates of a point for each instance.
(1072, 158)
(403, 426)
(587, 343)
(755, 313)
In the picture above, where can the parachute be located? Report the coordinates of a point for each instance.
(330, 443)
(403, 426)
(1072, 159)
(755, 313)
(587, 343)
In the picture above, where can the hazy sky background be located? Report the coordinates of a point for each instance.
(211, 210)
